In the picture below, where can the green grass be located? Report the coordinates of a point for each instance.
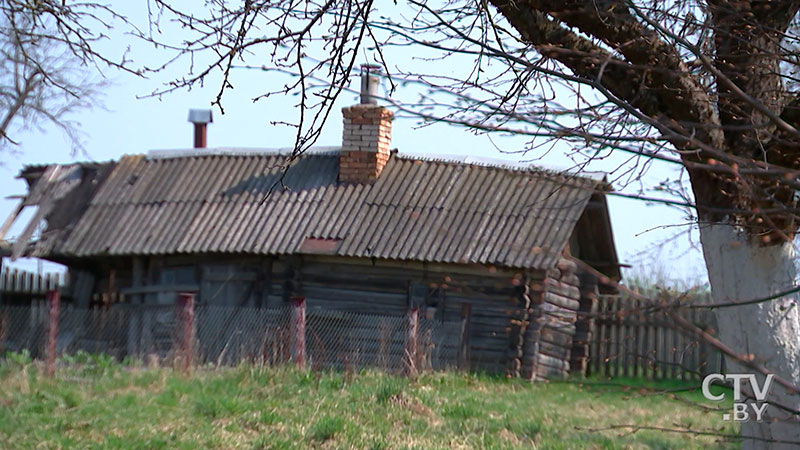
(121, 407)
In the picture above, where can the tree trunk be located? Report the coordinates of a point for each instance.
(739, 269)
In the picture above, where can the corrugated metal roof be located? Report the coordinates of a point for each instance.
(424, 210)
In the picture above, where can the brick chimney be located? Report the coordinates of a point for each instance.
(200, 118)
(367, 134)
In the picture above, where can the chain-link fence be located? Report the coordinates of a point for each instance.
(210, 335)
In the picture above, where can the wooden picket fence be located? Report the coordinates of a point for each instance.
(631, 339)
(15, 281)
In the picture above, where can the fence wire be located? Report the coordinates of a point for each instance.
(223, 336)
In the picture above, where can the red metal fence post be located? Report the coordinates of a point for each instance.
(186, 319)
(298, 332)
(411, 341)
(54, 299)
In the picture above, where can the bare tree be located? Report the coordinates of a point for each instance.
(707, 85)
(50, 68)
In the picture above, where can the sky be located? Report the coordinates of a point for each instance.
(128, 124)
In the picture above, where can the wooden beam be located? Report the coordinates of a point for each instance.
(10, 220)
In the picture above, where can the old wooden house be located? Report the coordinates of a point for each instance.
(355, 228)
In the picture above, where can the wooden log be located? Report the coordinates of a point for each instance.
(562, 364)
(562, 301)
(560, 325)
(562, 289)
(556, 336)
(566, 265)
(555, 351)
(566, 315)
(549, 373)
(571, 280)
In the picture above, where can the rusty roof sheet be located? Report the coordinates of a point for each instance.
(418, 209)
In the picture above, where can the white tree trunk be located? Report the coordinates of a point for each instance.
(740, 269)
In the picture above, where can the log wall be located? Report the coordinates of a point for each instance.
(553, 324)
(522, 323)
(371, 287)
(439, 291)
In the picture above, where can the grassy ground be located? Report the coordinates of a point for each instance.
(106, 405)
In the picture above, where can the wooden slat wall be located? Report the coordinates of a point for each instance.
(15, 281)
(631, 340)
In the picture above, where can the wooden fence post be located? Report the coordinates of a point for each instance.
(3, 328)
(186, 321)
(705, 348)
(463, 343)
(3, 312)
(412, 331)
(298, 331)
(54, 299)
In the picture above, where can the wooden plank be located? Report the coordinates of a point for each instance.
(609, 338)
(703, 350)
(415, 266)
(10, 220)
(636, 340)
(679, 351)
(651, 345)
(617, 338)
(625, 340)
(673, 351)
(594, 350)
(603, 338)
(661, 348)
(161, 288)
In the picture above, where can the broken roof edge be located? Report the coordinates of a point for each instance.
(31, 172)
